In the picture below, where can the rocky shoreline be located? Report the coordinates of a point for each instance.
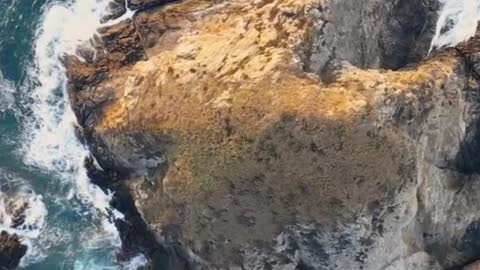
(278, 134)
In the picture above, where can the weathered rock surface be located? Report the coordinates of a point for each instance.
(11, 251)
(270, 135)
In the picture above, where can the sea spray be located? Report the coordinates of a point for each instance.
(457, 22)
(49, 137)
(51, 143)
(23, 213)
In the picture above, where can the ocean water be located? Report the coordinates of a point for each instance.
(68, 221)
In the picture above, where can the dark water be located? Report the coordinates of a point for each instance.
(67, 230)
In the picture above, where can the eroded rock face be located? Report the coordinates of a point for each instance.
(249, 134)
(11, 251)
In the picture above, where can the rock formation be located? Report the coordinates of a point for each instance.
(11, 251)
(285, 134)
(13, 217)
(16, 222)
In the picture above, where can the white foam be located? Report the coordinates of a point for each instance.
(52, 144)
(457, 22)
(7, 90)
(50, 141)
(93, 263)
(135, 263)
(127, 15)
(19, 199)
(35, 214)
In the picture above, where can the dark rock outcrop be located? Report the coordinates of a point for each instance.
(372, 34)
(11, 251)
(144, 4)
(116, 9)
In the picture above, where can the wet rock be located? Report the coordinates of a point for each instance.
(121, 44)
(143, 4)
(114, 47)
(115, 9)
(11, 251)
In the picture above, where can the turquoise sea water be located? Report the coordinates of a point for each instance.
(68, 229)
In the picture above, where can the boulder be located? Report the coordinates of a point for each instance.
(11, 251)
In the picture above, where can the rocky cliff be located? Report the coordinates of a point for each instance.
(11, 251)
(285, 134)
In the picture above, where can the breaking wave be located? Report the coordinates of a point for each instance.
(49, 143)
(7, 99)
(457, 22)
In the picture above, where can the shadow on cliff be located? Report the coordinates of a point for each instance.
(135, 235)
(301, 170)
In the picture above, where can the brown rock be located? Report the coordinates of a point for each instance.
(116, 9)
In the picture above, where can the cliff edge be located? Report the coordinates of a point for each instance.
(285, 134)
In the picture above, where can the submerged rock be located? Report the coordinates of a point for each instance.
(272, 134)
(143, 4)
(11, 251)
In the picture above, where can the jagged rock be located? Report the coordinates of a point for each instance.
(266, 134)
(114, 47)
(11, 251)
(143, 4)
(116, 9)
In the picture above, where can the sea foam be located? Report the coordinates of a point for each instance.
(457, 22)
(50, 142)
(7, 99)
